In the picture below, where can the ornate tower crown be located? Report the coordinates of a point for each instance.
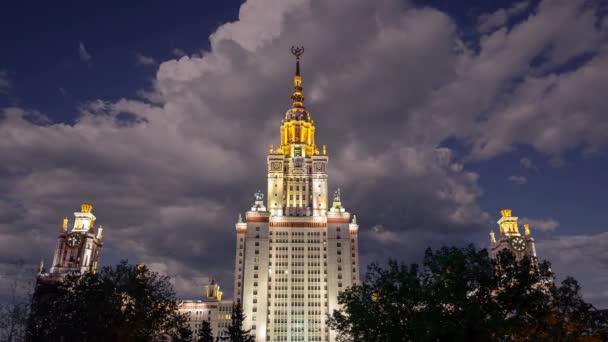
(508, 224)
(297, 129)
(86, 207)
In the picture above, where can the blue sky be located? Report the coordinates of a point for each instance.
(453, 112)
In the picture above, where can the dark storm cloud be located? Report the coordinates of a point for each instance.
(386, 83)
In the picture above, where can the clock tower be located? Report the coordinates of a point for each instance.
(77, 249)
(511, 239)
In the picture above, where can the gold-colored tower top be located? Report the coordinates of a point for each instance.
(508, 224)
(86, 207)
(297, 129)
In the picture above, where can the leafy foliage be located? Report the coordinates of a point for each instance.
(124, 303)
(14, 309)
(235, 332)
(464, 295)
(205, 334)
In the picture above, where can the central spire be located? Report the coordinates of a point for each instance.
(297, 129)
(297, 96)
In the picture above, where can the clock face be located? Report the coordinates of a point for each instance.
(518, 244)
(74, 240)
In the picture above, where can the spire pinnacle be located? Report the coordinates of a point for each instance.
(297, 96)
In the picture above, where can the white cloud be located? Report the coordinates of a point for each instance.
(517, 179)
(144, 60)
(178, 52)
(584, 258)
(544, 225)
(526, 163)
(84, 55)
(489, 22)
(168, 178)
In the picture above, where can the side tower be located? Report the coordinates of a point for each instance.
(294, 253)
(77, 249)
(510, 238)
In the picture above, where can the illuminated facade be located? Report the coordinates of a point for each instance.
(211, 308)
(77, 249)
(511, 239)
(294, 254)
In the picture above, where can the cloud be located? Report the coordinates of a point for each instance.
(178, 52)
(84, 55)
(526, 163)
(5, 82)
(168, 177)
(584, 258)
(519, 180)
(544, 225)
(144, 60)
(489, 22)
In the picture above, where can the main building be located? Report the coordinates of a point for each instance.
(294, 252)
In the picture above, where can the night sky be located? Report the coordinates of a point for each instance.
(436, 116)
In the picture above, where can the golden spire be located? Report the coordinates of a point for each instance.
(492, 237)
(297, 96)
(527, 228)
(297, 129)
(65, 224)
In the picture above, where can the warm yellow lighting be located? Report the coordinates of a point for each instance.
(492, 237)
(100, 232)
(86, 208)
(298, 126)
(65, 224)
(508, 223)
(527, 228)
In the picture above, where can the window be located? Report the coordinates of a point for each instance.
(257, 229)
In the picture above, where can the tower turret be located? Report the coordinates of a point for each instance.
(510, 238)
(77, 250)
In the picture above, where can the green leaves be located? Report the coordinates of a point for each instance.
(461, 294)
(235, 331)
(121, 303)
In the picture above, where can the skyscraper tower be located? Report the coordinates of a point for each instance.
(78, 249)
(294, 254)
(511, 239)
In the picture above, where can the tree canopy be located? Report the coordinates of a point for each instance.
(121, 303)
(464, 295)
(235, 332)
(205, 334)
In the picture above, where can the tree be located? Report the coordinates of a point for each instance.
(235, 331)
(122, 303)
(14, 309)
(205, 334)
(464, 295)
